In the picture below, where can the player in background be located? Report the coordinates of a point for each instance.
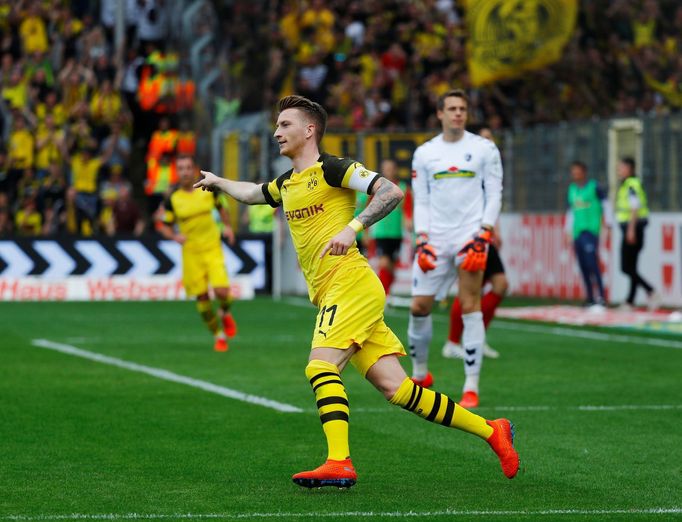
(318, 197)
(203, 264)
(388, 232)
(632, 214)
(493, 274)
(457, 187)
(588, 207)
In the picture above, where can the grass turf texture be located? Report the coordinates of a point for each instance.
(83, 437)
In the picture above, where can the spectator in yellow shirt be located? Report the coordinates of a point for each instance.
(52, 107)
(80, 134)
(33, 32)
(20, 150)
(85, 169)
(75, 81)
(318, 16)
(84, 178)
(105, 107)
(319, 21)
(644, 26)
(28, 221)
(49, 146)
(289, 25)
(16, 92)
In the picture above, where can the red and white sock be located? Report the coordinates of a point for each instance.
(456, 324)
(489, 303)
(386, 278)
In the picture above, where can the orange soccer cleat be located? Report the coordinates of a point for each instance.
(502, 443)
(229, 325)
(220, 344)
(339, 473)
(469, 400)
(426, 382)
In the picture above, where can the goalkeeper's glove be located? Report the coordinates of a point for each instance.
(474, 254)
(426, 254)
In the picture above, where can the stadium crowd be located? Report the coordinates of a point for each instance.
(383, 64)
(74, 106)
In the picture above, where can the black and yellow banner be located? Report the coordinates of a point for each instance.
(508, 37)
(373, 148)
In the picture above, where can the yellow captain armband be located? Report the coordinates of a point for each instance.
(356, 225)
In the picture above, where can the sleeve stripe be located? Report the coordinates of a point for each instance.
(349, 172)
(371, 183)
(268, 197)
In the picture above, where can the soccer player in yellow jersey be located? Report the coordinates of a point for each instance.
(319, 200)
(202, 256)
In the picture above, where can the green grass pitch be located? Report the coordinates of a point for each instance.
(598, 424)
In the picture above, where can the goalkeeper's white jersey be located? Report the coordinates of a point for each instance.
(457, 186)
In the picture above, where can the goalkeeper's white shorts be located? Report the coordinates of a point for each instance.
(437, 282)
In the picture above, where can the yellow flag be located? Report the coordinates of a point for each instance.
(508, 37)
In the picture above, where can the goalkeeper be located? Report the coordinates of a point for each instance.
(457, 187)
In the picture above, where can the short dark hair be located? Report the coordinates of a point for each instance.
(629, 161)
(456, 93)
(313, 110)
(579, 164)
(183, 156)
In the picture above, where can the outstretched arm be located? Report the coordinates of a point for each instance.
(386, 197)
(243, 191)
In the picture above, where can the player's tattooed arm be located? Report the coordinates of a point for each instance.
(385, 197)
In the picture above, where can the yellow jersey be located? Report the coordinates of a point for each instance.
(318, 203)
(33, 35)
(105, 108)
(192, 211)
(20, 150)
(16, 95)
(85, 173)
(57, 111)
(29, 223)
(49, 153)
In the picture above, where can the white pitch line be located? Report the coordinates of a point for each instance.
(589, 408)
(568, 332)
(564, 332)
(588, 334)
(288, 408)
(503, 324)
(351, 514)
(166, 376)
(627, 407)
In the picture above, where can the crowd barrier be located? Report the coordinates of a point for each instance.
(148, 268)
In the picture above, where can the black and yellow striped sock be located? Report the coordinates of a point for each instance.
(226, 303)
(205, 308)
(439, 408)
(332, 405)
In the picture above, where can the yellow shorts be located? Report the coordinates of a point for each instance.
(352, 312)
(204, 268)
